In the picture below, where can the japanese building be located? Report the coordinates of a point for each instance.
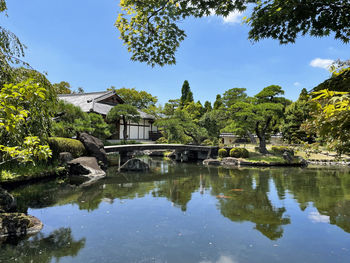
(102, 103)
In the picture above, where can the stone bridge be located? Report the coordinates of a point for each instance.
(183, 153)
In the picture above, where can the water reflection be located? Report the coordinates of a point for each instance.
(42, 249)
(248, 201)
(222, 259)
(242, 195)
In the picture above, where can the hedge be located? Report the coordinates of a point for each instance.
(162, 140)
(222, 153)
(59, 145)
(239, 153)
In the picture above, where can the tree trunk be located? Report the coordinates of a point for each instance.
(262, 139)
(251, 137)
(262, 144)
(125, 130)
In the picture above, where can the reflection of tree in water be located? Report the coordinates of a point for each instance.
(240, 201)
(329, 191)
(42, 249)
(179, 191)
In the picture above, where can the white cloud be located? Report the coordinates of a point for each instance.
(321, 63)
(296, 84)
(316, 217)
(233, 18)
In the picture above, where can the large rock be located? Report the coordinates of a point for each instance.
(134, 165)
(211, 162)
(154, 153)
(85, 170)
(230, 161)
(18, 224)
(65, 157)
(95, 148)
(7, 202)
(288, 157)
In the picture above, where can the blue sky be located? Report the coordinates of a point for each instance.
(76, 41)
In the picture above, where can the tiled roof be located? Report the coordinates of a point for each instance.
(90, 102)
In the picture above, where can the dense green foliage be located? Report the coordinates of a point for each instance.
(139, 99)
(62, 88)
(72, 121)
(11, 50)
(58, 145)
(25, 114)
(186, 94)
(294, 116)
(331, 119)
(260, 115)
(151, 31)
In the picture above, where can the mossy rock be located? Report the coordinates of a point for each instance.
(59, 145)
(18, 224)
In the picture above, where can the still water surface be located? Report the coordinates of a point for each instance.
(190, 213)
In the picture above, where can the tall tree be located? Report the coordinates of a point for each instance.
(295, 115)
(181, 127)
(218, 102)
(207, 106)
(231, 96)
(260, 114)
(62, 88)
(11, 50)
(126, 113)
(186, 93)
(151, 31)
(25, 116)
(139, 99)
(331, 119)
(340, 79)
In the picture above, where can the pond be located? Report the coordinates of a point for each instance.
(190, 213)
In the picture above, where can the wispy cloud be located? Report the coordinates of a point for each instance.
(296, 84)
(233, 18)
(316, 217)
(321, 63)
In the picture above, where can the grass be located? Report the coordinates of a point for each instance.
(324, 155)
(266, 159)
(24, 172)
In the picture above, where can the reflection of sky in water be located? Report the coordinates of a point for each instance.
(222, 259)
(316, 217)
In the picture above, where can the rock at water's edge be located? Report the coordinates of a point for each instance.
(86, 169)
(95, 148)
(211, 162)
(7, 202)
(18, 224)
(230, 161)
(134, 165)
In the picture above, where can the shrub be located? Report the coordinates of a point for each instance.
(222, 153)
(279, 150)
(58, 145)
(207, 142)
(239, 153)
(162, 140)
